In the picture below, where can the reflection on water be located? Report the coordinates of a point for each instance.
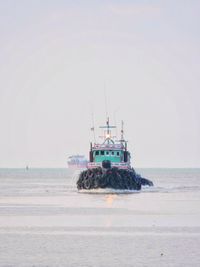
(109, 199)
(109, 204)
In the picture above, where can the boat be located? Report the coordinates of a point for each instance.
(109, 164)
(77, 162)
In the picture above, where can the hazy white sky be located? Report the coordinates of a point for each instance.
(55, 57)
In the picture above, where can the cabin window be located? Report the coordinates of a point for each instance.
(102, 153)
(112, 152)
(97, 153)
(107, 152)
(117, 153)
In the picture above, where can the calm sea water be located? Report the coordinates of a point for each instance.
(44, 221)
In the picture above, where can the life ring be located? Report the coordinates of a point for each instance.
(90, 173)
(96, 181)
(111, 181)
(87, 184)
(103, 181)
(85, 174)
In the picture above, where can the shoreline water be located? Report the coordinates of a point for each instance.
(44, 221)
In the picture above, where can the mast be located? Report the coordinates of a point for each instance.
(122, 131)
(107, 133)
(93, 128)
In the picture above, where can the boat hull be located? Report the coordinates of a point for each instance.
(115, 178)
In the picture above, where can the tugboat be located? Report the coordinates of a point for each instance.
(109, 165)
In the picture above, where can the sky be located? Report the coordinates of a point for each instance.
(60, 60)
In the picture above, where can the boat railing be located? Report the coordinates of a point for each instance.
(94, 164)
(109, 146)
(122, 165)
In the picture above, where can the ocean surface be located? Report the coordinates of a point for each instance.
(45, 221)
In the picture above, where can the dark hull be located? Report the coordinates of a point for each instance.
(111, 178)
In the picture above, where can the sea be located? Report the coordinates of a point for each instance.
(45, 221)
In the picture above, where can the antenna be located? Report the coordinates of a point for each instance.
(108, 126)
(122, 131)
(107, 131)
(106, 107)
(115, 122)
(92, 128)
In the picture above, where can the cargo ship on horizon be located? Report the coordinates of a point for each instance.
(77, 162)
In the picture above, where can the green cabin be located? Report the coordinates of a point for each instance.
(112, 155)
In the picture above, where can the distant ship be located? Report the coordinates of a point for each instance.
(77, 162)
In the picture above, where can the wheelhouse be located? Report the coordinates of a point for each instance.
(112, 155)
